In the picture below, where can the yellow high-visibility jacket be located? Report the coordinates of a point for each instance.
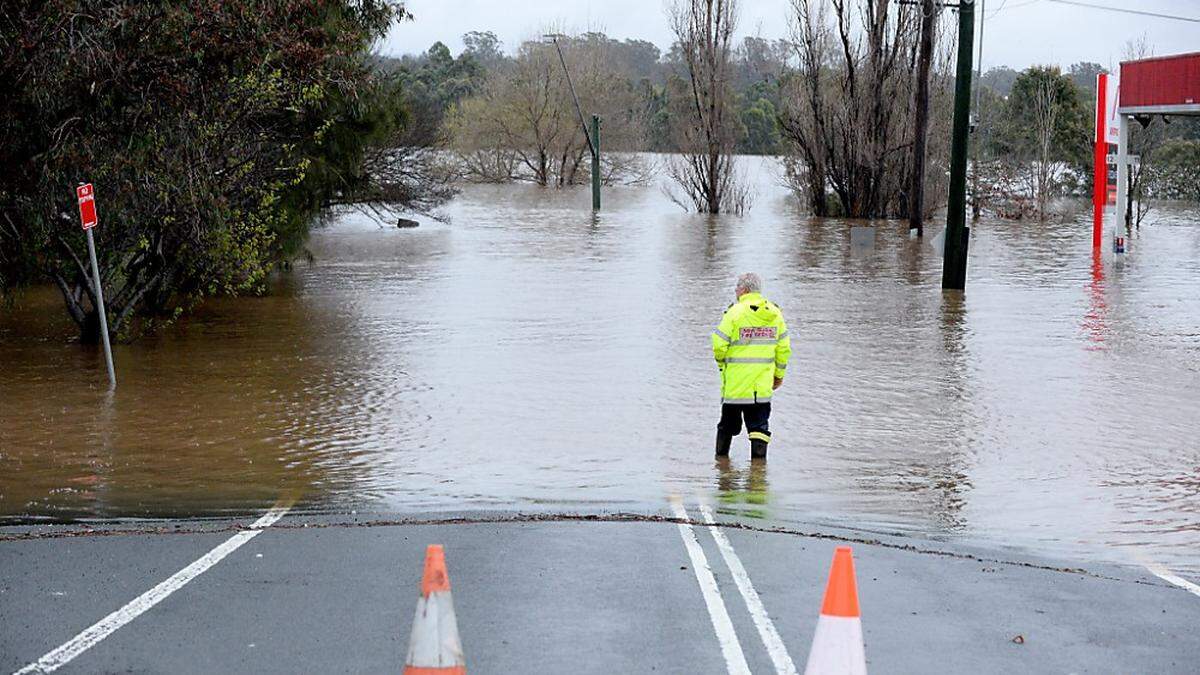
(752, 348)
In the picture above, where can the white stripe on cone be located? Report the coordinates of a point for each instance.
(837, 647)
(435, 642)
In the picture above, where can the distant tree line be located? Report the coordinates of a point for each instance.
(837, 100)
(836, 105)
(510, 116)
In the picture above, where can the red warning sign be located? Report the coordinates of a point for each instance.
(87, 205)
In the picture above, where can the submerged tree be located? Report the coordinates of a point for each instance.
(523, 125)
(1041, 136)
(847, 116)
(704, 120)
(916, 209)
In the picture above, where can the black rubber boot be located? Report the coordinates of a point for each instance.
(723, 442)
(758, 449)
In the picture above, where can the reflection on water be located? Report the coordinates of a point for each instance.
(743, 492)
(532, 354)
(1094, 322)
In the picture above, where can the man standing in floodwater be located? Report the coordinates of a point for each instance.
(752, 349)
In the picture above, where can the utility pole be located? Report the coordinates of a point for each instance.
(954, 263)
(916, 207)
(593, 143)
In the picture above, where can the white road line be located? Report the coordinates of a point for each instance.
(766, 628)
(1172, 578)
(731, 649)
(108, 625)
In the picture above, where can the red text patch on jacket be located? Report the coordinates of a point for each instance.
(759, 333)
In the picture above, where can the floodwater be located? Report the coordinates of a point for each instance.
(531, 356)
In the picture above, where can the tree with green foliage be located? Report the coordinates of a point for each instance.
(214, 137)
(999, 79)
(1043, 133)
(1083, 74)
(432, 83)
(484, 48)
(760, 127)
(1175, 173)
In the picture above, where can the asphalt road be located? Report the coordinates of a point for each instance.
(603, 595)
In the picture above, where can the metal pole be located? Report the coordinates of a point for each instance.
(596, 163)
(978, 146)
(954, 265)
(1122, 182)
(112, 374)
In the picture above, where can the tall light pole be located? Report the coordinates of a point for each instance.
(593, 138)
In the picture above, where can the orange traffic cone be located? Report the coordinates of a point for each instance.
(837, 647)
(435, 648)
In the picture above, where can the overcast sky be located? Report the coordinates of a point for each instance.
(1018, 32)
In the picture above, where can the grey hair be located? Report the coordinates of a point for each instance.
(749, 283)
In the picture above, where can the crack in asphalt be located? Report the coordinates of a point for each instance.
(517, 518)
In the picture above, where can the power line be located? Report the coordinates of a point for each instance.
(1127, 11)
(1008, 6)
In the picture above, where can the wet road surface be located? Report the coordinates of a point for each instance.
(317, 594)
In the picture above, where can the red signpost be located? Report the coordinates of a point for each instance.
(1107, 133)
(87, 205)
(87, 216)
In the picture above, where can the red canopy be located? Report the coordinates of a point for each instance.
(1166, 84)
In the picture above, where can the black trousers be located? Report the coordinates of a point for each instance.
(755, 414)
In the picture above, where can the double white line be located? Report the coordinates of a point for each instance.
(77, 645)
(731, 649)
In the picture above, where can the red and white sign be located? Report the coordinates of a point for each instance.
(87, 205)
(1112, 100)
(1108, 97)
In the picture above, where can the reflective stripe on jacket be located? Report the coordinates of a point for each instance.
(752, 348)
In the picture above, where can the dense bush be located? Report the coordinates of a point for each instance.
(1175, 173)
(213, 131)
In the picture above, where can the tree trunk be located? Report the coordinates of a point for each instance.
(89, 330)
(916, 209)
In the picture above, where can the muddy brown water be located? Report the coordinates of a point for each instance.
(531, 356)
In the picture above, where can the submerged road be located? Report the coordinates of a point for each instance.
(583, 594)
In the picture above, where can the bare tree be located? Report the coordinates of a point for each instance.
(704, 120)
(523, 125)
(806, 117)
(1045, 113)
(1144, 139)
(916, 211)
(1044, 167)
(847, 113)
